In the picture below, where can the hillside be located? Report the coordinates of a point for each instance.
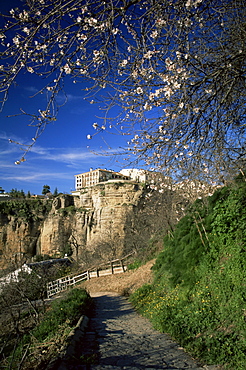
(195, 289)
(125, 283)
(198, 292)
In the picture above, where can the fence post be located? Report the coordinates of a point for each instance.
(88, 275)
(48, 293)
(122, 265)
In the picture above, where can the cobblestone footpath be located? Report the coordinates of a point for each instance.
(126, 340)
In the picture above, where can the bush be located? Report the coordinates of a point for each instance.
(134, 265)
(66, 310)
(40, 344)
(28, 210)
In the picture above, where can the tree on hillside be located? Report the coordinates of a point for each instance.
(55, 192)
(46, 189)
(175, 70)
(17, 193)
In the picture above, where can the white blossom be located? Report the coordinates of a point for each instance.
(84, 9)
(160, 22)
(123, 63)
(24, 16)
(30, 69)
(139, 90)
(96, 53)
(92, 21)
(67, 69)
(26, 30)
(178, 54)
(148, 55)
(16, 41)
(154, 34)
(147, 106)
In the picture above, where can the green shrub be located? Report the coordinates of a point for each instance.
(71, 209)
(55, 326)
(69, 309)
(136, 264)
(28, 210)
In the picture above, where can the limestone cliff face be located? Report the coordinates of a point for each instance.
(99, 228)
(18, 238)
(95, 225)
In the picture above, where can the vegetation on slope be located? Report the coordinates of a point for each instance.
(198, 294)
(27, 210)
(33, 348)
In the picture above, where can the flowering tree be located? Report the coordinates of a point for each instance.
(175, 70)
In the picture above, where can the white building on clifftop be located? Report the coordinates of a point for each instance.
(138, 175)
(94, 177)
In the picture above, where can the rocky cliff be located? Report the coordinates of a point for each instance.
(96, 224)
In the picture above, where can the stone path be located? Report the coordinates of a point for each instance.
(119, 338)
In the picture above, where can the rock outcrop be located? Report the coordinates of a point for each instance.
(93, 225)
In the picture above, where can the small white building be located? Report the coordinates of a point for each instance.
(138, 175)
(3, 195)
(13, 277)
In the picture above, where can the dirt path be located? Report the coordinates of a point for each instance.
(126, 340)
(124, 283)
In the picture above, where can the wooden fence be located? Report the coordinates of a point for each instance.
(108, 268)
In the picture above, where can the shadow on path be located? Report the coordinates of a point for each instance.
(118, 338)
(127, 340)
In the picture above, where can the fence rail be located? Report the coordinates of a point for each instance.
(108, 268)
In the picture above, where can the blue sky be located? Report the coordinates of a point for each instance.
(63, 150)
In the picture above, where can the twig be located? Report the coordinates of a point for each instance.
(23, 357)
